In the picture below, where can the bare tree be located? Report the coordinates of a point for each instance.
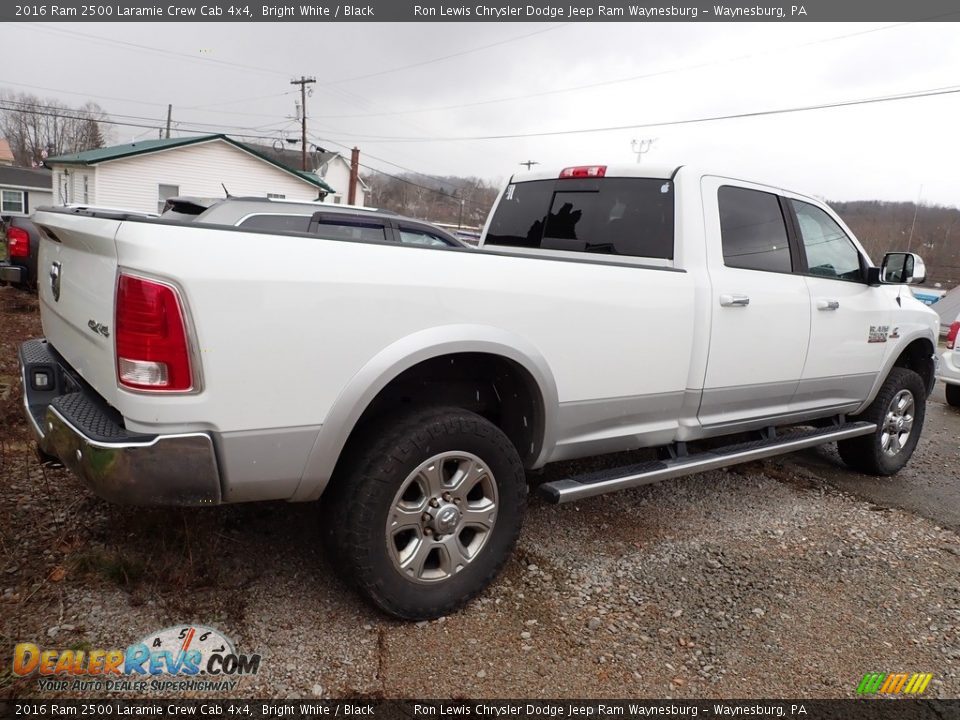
(37, 128)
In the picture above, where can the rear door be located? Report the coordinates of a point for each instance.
(760, 309)
(77, 275)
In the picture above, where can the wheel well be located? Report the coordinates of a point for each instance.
(918, 356)
(490, 385)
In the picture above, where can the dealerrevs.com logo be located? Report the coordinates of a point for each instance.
(179, 658)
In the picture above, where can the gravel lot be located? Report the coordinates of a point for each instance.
(764, 580)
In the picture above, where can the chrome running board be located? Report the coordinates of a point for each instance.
(587, 485)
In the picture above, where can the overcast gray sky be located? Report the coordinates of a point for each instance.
(378, 81)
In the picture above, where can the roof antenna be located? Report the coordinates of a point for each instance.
(225, 191)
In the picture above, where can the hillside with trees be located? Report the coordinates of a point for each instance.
(886, 226)
(428, 197)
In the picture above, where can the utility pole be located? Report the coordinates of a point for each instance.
(303, 82)
(169, 113)
(916, 207)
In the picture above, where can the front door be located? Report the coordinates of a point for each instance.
(850, 321)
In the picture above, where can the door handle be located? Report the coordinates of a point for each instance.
(734, 300)
(828, 304)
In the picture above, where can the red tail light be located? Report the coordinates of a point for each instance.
(584, 171)
(952, 335)
(151, 335)
(18, 242)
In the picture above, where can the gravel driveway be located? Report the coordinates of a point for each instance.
(764, 580)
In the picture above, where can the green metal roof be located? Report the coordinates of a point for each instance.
(142, 147)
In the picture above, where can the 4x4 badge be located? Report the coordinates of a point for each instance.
(55, 279)
(98, 328)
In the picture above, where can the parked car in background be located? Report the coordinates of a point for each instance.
(18, 253)
(949, 370)
(333, 222)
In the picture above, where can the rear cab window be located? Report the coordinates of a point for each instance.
(619, 216)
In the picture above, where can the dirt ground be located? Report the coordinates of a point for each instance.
(786, 578)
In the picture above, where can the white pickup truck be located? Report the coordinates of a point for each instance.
(408, 386)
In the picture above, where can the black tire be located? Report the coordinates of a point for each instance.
(866, 453)
(953, 395)
(368, 494)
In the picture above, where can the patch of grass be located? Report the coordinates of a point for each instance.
(112, 565)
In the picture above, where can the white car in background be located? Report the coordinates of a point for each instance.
(950, 364)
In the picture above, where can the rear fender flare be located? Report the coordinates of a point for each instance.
(404, 354)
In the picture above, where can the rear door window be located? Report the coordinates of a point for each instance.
(277, 223)
(612, 216)
(350, 229)
(414, 236)
(753, 230)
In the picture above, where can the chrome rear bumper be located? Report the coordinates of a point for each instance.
(11, 273)
(74, 426)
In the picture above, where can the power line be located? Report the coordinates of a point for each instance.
(617, 81)
(22, 106)
(149, 48)
(383, 160)
(443, 57)
(949, 90)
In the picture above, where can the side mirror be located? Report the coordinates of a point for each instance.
(902, 268)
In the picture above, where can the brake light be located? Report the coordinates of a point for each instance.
(952, 335)
(151, 336)
(584, 171)
(18, 242)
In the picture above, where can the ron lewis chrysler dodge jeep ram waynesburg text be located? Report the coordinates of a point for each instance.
(408, 386)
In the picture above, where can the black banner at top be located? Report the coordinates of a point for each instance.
(472, 11)
(568, 709)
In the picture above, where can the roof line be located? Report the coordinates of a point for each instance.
(314, 180)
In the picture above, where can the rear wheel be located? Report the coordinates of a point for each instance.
(429, 512)
(953, 395)
(898, 412)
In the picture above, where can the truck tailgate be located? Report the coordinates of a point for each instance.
(77, 272)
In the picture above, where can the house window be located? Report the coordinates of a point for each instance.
(13, 201)
(86, 189)
(337, 199)
(276, 196)
(166, 192)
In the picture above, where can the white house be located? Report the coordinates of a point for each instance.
(331, 166)
(23, 190)
(334, 168)
(142, 175)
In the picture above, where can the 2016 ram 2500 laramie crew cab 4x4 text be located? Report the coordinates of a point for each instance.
(409, 387)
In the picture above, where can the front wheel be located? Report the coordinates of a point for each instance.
(953, 395)
(430, 512)
(898, 412)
